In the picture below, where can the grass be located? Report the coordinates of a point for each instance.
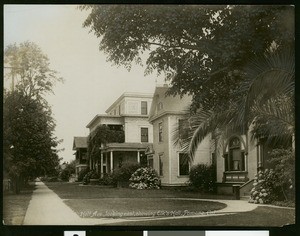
(15, 205)
(262, 216)
(74, 191)
(139, 207)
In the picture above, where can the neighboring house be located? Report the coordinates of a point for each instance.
(80, 147)
(129, 113)
(167, 116)
(237, 158)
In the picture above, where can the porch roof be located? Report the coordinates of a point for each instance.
(79, 142)
(125, 147)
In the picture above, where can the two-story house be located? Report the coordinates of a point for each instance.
(128, 113)
(237, 157)
(165, 155)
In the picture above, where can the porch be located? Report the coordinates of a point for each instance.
(114, 155)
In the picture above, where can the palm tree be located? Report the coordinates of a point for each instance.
(263, 104)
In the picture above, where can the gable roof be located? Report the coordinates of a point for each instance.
(80, 142)
(168, 104)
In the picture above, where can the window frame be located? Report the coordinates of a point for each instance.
(160, 164)
(160, 132)
(144, 109)
(180, 155)
(143, 136)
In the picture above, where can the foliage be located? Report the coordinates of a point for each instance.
(82, 173)
(144, 178)
(102, 135)
(124, 173)
(108, 179)
(201, 49)
(266, 189)
(263, 103)
(92, 174)
(68, 171)
(284, 161)
(206, 51)
(65, 175)
(32, 68)
(203, 177)
(29, 144)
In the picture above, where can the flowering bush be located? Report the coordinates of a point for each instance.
(144, 178)
(265, 189)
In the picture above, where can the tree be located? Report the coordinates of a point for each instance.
(206, 51)
(29, 144)
(201, 49)
(27, 62)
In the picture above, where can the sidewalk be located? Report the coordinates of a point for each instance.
(46, 208)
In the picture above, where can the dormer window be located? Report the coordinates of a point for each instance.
(160, 106)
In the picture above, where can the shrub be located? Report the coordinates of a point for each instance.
(108, 179)
(82, 173)
(94, 175)
(87, 177)
(124, 173)
(144, 178)
(265, 189)
(65, 175)
(203, 177)
(284, 162)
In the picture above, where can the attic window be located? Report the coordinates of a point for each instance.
(160, 106)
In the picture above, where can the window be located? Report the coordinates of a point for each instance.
(144, 110)
(160, 106)
(235, 157)
(160, 132)
(183, 164)
(161, 165)
(183, 127)
(150, 161)
(144, 135)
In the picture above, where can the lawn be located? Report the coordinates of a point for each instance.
(75, 191)
(99, 202)
(262, 216)
(140, 207)
(15, 206)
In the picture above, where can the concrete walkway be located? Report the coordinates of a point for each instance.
(46, 208)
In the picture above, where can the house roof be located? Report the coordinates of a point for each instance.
(135, 95)
(99, 116)
(168, 104)
(79, 142)
(125, 146)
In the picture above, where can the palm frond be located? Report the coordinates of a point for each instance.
(267, 76)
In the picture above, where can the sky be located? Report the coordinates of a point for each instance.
(91, 84)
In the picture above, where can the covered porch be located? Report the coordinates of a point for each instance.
(114, 155)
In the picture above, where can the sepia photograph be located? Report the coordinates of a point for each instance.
(149, 115)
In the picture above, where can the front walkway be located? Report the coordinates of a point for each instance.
(46, 208)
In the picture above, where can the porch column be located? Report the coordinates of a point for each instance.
(101, 165)
(138, 157)
(246, 161)
(111, 161)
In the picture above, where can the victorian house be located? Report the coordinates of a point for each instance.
(237, 157)
(128, 114)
